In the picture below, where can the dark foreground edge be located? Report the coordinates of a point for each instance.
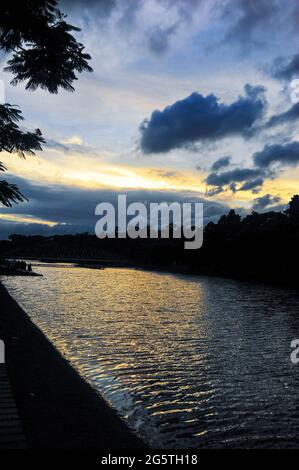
(58, 409)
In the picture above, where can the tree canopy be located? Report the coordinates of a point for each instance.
(43, 53)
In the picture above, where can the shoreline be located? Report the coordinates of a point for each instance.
(57, 407)
(96, 263)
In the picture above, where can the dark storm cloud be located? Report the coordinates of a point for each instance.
(221, 163)
(265, 201)
(286, 70)
(72, 209)
(200, 118)
(233, 176)
(285, 154)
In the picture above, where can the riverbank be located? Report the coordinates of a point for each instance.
(58, 409)
(249, 276)
(16, 272)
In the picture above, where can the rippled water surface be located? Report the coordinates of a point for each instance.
(187, 361)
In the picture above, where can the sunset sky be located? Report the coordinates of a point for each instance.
(189, 100)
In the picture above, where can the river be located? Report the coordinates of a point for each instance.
(188, 362)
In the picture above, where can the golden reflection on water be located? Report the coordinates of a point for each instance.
(186, 361)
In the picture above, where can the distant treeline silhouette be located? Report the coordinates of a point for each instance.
(259, 247)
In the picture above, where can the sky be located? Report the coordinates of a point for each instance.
(188, 100)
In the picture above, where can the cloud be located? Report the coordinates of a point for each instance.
(73, 145)
(156, 22)
(159, 38)
(259, 24)
(252, 179)
(165, 173)
(252, 185)
(138, 22)
(288, 116)
(221, 163)
(71, 210)
(284, 154)
(53, 144)
(253, 15)
(265, 201)
(215, 191)
(104, 7)
(15, 228)
(199, 118)
(233, 176)
(286, 70)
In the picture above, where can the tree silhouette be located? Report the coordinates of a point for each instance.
(258, 247)
(45, 55)
(231, 219)
(293, 210)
